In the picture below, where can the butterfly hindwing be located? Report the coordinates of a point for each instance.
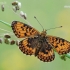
(22, 30)
(46, 53)
(60, 45)
(28, 45)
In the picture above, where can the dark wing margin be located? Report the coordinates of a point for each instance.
(22, 30)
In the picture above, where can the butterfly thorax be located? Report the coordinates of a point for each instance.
(41, 42)
(42, 37)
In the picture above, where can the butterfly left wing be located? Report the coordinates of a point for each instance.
(28, 45)
(22, 30)
(62, 46)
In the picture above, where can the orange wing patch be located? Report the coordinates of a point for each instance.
(26, 47)
(22, 30)
(46, 52)
(60, 45)
(46, 57)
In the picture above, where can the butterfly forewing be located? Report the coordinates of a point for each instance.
(60, 45)
(22, 30)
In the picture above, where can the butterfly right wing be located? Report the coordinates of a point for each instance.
(61, 45)
(46, 53)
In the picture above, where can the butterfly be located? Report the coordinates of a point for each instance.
(38, 43)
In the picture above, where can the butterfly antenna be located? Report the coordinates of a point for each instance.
(39, 22)
(54, 28)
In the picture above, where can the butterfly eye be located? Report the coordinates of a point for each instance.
(12, 42)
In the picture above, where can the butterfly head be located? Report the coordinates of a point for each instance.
(43, 33)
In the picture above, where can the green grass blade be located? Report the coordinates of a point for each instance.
(5, 23)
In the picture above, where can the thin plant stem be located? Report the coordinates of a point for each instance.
(20, 16)
(5, 23)
(4, 30)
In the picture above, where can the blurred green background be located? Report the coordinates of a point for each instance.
(50, 13)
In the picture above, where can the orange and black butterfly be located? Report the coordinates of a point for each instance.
(39, 44)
